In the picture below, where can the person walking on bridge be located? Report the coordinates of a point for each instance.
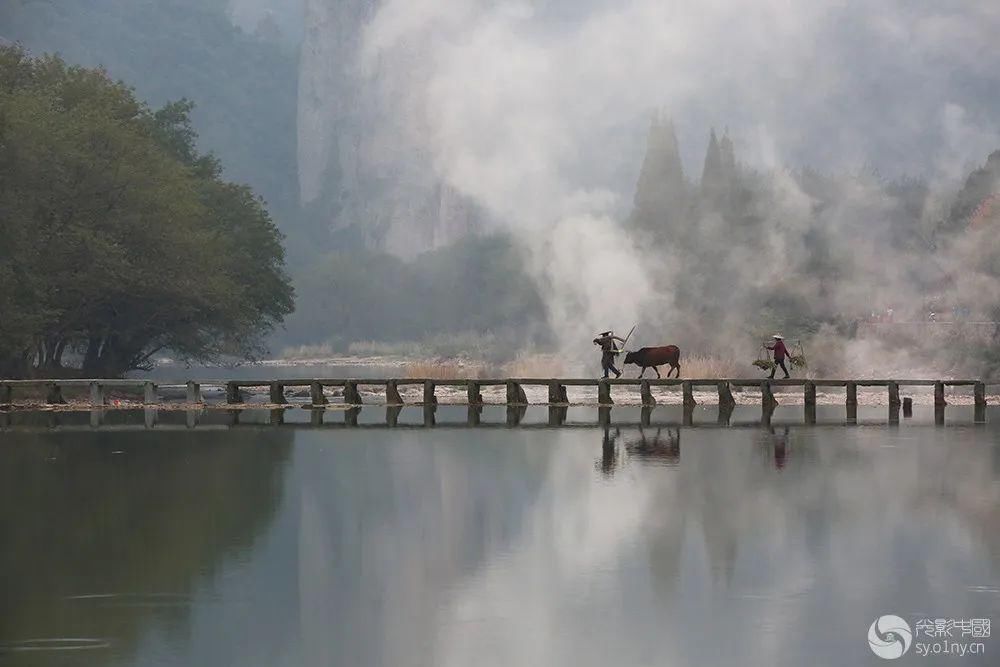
(780, 352)
(606, 341)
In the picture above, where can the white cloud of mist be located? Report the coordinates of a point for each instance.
(536, 111)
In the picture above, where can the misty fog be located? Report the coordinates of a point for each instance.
(578, 137)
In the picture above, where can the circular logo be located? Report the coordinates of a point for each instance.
(890, 637)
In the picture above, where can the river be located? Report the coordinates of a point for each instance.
(581, 545)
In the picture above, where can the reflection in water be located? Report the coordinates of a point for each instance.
(106, 537)
(659, 448)
(506, 546)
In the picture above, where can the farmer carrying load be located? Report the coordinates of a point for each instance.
(606, 341)
(780, 352)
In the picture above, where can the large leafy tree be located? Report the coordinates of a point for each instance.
(121, 240)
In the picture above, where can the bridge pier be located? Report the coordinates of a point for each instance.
(767, 395)
(475, 394)
(515, 394)
(351, 394)
(557, 394)
(893, 394)
(149, 394)
(604, 393)
(726, 395)
(6, 395)
(907, 407)
(809, 393)
(688, 392)
(276, 393)
(979, 398)
(647, 395)
(96, 393)
(852, 401)
(233, 393)
(316, 395)
(193, 392)
(392, 396)
(939, 394)
(429, 397)
(53, 394)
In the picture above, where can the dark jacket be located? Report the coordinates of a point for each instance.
(780, 351)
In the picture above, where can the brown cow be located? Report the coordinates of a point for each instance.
(656, 356)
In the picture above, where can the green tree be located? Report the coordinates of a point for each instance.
(123, 240)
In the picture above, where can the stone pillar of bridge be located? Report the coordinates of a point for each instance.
(979, 399)
(233, 393)
(852, 401)
(149, 394)
(604, 393)
(893, 394)
(96, 393)
(515, 394)
(688, 392)
(939, 394)
(557, 393)
(475, 393)
(392, 396)
(429, 397)
(647, 395)
(809, 393)
(53, 394)
(316, 395)
(725, 395)
(276, 393)
(767, 399)
(351, 394)
(193, 392)
(6, 395)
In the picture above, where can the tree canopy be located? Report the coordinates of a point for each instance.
(121, 240)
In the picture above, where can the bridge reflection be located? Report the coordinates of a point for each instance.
(489, 416)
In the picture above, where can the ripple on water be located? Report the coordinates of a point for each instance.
(135, 599)
(55, 644)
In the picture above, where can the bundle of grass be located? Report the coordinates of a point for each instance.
(765, 364)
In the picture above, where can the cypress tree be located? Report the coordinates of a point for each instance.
(661, 191)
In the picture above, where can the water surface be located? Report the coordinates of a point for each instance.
(288, 545)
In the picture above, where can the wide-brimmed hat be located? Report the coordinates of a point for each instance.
(778, 336)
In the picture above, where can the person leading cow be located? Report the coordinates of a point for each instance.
(606, 341)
